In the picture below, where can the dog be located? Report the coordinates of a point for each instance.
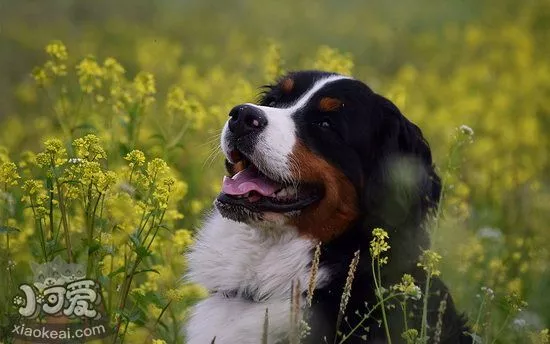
(321, 159)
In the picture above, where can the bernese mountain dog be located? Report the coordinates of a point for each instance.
(320, 159)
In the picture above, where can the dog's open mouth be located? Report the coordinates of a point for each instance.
(252, 189)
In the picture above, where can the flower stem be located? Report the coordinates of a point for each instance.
(64, 221)
(423, 328)
(378, 287)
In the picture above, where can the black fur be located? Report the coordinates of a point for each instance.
(389, 162)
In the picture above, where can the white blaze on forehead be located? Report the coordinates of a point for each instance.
(318, 85)
(276, 142)
(304, 98)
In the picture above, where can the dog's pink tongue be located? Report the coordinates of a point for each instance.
(249, 180)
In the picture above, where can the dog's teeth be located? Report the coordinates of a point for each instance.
(282, 193)
(291, 191)
(286, 193)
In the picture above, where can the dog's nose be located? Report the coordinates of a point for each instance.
(246, 119)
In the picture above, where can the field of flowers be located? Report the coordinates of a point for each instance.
(110, 116)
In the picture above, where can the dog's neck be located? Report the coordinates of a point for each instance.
(238, 260)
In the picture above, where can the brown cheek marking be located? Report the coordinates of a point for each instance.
(287, 85)
(334, 213)
(329, 104)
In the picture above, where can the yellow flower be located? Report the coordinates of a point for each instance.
(32, 187)
(410, 336)
(8, 174)
(144, 85)
(542, 337)
(160, 197)
(272, 62)
(121, 209)
(4, 154)
(113, 70)
(332, 60)
(188, 292)
(55, 68)
(136, 158)
(40, 76)
(515, 302)
(156, 168)
(408, 287)
(429, 261)
(195, 206)
(54, 154)
(175, 101)
(90, 75)
(182, 239)
(53, 146)
(190, 107)
(514, 285)
(379, 233)
(153, 311)
(379, 245)
(89, 148)
(57, 50)
(136, 333)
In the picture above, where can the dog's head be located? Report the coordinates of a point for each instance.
(320, 152)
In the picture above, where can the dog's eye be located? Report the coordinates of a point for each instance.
(324, 123)
(269, 101)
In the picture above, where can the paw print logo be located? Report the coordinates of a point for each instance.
(18, 301)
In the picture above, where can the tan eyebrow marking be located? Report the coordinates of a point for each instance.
(329, 104)
(287, 85)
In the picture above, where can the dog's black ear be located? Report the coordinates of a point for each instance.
(404, 187)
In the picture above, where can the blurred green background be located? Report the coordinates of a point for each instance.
(483, 64)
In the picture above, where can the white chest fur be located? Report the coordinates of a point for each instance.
(231, 256)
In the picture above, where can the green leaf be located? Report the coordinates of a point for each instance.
(142, 252)
(95, 246)
(159, 137)
(147, 270)
(133, 316)
(139, 249)
(149, 298)
(8, 229)
(104, 280)
(117, 271)
(85, 127)
(53, 248)
(166, 228)
(163, 325)
(180, 145)
(135, 239)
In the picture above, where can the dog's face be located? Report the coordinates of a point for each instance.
(315, 151)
